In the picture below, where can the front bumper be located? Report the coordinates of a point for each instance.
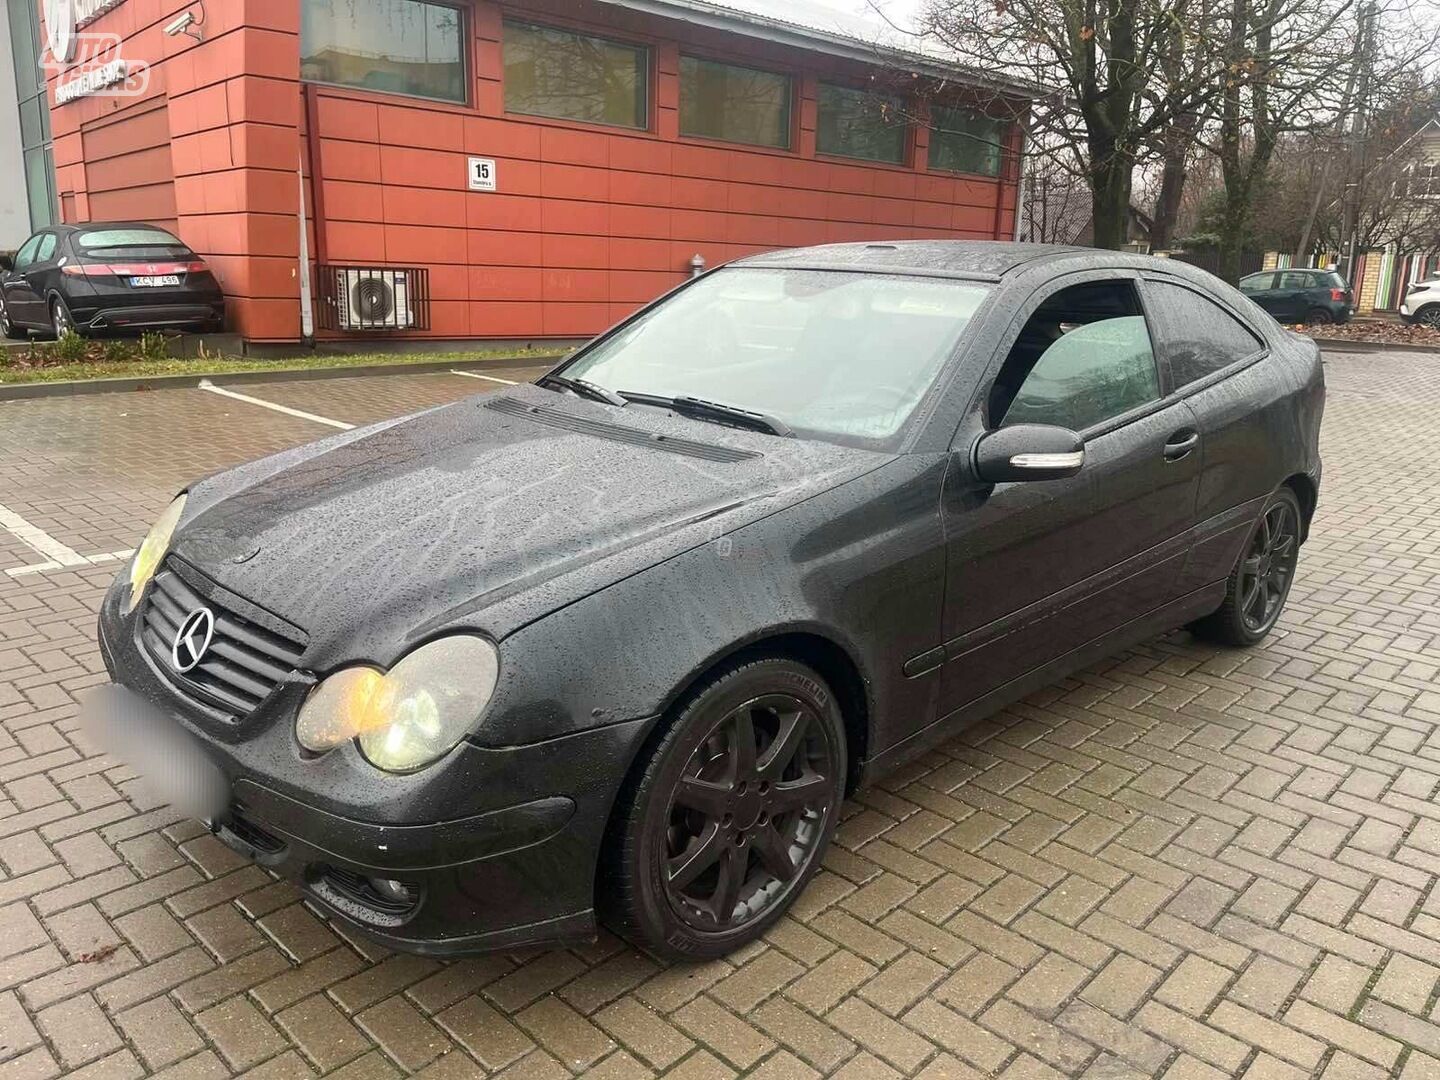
(507, 858)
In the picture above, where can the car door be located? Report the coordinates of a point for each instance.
(1216, 362)
(1292, 298)
(40, 276)
(1261, 289)
(20, 297)
(1038, 569)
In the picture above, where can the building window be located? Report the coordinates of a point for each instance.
(734, 104)
(392, 46)
(570, 76)
(35, 143)
(966, 142)
(1419, 181)
(858, 124)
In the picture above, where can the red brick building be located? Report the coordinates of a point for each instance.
(526, 170)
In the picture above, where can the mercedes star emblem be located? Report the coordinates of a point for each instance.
(192, 639)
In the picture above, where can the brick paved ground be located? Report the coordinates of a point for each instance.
(1185, 861)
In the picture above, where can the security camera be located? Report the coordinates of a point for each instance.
(180, 25)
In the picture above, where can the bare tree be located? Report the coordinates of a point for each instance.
(1126, 71)
(1281, 74)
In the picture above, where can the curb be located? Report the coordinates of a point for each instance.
(1341, 345)
(75, 387)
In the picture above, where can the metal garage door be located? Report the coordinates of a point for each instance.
(128, 170)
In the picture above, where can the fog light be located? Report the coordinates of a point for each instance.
(396, 892)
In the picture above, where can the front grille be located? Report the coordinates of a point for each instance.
(250, 653)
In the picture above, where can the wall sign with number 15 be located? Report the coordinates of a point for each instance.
(482, 174)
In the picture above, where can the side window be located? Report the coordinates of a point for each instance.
(1296, 280)
(26, 255)
(1081, 358)
(1196, 336)
(1257, 283)
(47, 248)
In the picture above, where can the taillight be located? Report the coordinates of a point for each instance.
(132, 270)
(1337, 294)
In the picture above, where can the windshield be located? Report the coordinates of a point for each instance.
(828, 352)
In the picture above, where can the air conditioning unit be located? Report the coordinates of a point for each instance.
(374, 299)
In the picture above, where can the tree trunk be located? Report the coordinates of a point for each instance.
(1110, 201)
(1233, 230)
(1167, 204)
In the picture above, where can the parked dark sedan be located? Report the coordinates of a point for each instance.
(1301, 297)
(111, 276)
(624, 639)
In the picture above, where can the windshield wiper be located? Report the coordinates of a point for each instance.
(584, 388)
(714, 411)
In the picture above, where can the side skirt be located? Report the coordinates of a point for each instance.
(1176, 613)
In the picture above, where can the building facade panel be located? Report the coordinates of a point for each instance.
(587, 220)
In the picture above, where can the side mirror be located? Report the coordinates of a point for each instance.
(7, 262)
(1028, 452)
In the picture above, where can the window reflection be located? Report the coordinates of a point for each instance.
(736, 104)
(962, 141)
(393, 46)
(557, 73)
(858, 124)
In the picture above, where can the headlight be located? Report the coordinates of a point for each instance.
(409, 716)
(152, 550)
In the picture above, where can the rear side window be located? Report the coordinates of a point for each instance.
(1294, 279)
(47, 248)
(1195, 336)
(105, 238)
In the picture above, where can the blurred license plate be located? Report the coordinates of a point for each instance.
(155, 281)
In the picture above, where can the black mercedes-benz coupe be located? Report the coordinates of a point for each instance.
(120, 276)
(616, 645)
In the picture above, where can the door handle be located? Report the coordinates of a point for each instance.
(1180, 444)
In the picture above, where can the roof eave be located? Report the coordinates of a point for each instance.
(812, 39)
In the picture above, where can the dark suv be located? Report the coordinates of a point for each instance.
(1301, 296)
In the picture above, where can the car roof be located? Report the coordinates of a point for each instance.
(973, 260)
(949, 258)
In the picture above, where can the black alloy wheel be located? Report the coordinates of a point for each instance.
(1258, 586)
(1268, 567)
(730, 814)
(1318, 317)
(747, 812)
(1429, 316)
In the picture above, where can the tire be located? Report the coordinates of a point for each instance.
(696, 854)
(60, 318)
(8, 328)
(1429, 316)
(1271, 553)
(1318, 317)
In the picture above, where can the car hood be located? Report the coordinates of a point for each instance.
(487, 513)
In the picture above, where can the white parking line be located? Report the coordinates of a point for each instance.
(57, 555)
(90, 560)
(487, 378)
(206, 384)
(38, 539)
